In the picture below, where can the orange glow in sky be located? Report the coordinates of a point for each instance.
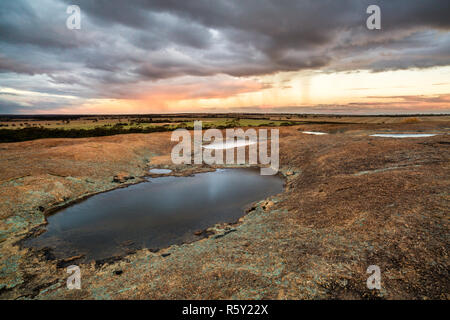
(405, 90)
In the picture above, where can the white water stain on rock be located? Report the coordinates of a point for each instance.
(403, 135)
(160, 171)
(315, 133)
(229, 144)
(384, 169)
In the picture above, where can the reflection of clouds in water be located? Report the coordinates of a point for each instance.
(216, 186)
(160, 171)
(229, 144)
(403, 135)
(315, 133)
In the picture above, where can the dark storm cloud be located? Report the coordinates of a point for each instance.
(22, 24)
(10, 107)
(11, 65)
(125, 43)
(275, 27)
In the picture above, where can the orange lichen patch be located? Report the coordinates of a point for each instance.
(161, 160)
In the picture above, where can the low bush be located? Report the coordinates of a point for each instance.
(410, 120)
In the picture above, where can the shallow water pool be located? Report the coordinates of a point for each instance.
(153, 214)
(315, 133)
(160, 171)
(403, 135)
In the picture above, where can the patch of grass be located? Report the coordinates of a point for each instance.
(25, 134)
(94, 130)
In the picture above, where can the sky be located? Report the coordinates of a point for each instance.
(167, 56)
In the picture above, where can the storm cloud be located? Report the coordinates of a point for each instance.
(126, 46)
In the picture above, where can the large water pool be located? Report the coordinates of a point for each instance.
(153, 214)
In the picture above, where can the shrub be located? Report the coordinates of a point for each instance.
(410, 120)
